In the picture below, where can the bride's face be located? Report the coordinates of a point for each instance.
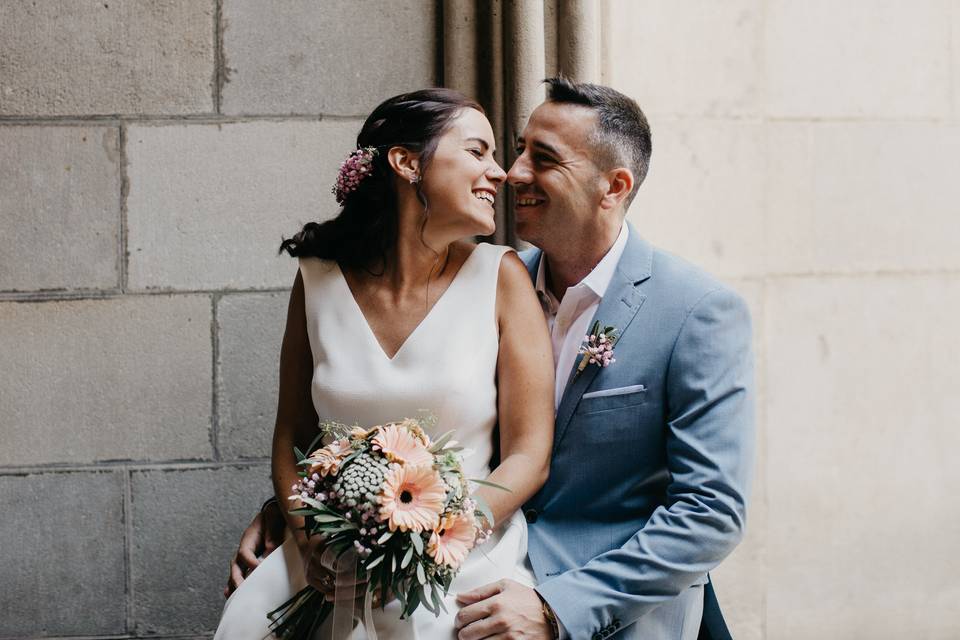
(462, 180)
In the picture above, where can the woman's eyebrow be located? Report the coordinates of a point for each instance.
(483, 143)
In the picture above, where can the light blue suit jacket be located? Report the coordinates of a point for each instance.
(652, 456)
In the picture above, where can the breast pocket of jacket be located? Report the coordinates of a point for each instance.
(610, 415)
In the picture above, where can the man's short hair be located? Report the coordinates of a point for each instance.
(622, 137)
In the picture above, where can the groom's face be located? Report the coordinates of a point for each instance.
(555, 180)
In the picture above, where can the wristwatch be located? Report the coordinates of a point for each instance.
(550, 616)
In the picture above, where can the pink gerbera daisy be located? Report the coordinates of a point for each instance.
(452, 539)
(398, 444)
(412, 498)
(326, 460)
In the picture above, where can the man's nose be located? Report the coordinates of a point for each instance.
(519, 172)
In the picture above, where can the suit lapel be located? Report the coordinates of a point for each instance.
(619, 306)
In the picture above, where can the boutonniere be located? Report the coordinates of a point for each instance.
(597, 348)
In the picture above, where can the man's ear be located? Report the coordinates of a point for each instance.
(405, 163)
(618, 184)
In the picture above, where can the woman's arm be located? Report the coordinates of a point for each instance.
(296, 418)
(525, 389)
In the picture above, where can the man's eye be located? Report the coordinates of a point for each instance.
(519, 151)
(539, 157)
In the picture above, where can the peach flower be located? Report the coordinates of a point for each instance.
(326, 460)
(412, 498)
(452, 539)
(398, 444)
(414, 427)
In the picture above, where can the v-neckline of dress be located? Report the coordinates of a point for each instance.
(366, 323)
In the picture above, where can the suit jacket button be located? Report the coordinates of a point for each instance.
(531, 515)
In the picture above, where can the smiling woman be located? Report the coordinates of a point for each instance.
(394, 311)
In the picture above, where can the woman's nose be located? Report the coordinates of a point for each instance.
(496, 173)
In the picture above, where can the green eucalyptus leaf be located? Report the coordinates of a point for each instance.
(484, 509)
(417, 543)
(437, 445)
(407, 557)
(487, 483)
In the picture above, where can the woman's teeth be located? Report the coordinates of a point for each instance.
(481, 195)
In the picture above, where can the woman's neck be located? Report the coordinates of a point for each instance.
(416, 258)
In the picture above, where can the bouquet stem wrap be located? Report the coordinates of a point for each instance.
(345, 607)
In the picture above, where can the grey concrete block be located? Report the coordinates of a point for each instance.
(111, 57)
(123, 378)
(209, 204)
(250, 329)
(336, 57)
(187, 523)
(62, 557)
(60, 207)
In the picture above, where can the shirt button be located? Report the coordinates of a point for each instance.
(531, 515)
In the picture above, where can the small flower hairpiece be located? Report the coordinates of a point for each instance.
(597, 348)
(357, 166)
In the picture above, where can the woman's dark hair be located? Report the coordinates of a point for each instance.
(366, 228)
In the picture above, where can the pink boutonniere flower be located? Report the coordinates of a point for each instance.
(597, 348)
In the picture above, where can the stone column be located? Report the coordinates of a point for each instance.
(578, 36)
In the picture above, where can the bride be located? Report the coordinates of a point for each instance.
(393, 312)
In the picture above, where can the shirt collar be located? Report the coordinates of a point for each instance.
(597, 280)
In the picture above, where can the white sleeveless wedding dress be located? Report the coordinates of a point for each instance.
(447, 367)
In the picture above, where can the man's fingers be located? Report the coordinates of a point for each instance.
(236, 578)
(268, 546)
(247, 558)
(481, 629)
(471, 613)
(480, 593)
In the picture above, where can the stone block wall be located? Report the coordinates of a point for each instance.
(807, 151)
(152, 157)
(154, 153)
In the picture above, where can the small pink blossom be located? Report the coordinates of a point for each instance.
(357, 166)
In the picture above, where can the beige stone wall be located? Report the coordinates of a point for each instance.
(808, 152)
(152, 156)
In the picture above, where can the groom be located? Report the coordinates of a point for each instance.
(652, 454)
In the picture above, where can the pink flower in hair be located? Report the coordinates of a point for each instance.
(357, 166)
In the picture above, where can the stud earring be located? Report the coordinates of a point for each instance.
(415, 179)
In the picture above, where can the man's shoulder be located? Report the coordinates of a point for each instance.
(529, 256)
(683, 282)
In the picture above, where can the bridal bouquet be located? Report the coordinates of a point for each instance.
(395, 502)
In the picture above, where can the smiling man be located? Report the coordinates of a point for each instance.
(653, 454)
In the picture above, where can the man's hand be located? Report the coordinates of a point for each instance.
(503, 609)
(264, 534)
